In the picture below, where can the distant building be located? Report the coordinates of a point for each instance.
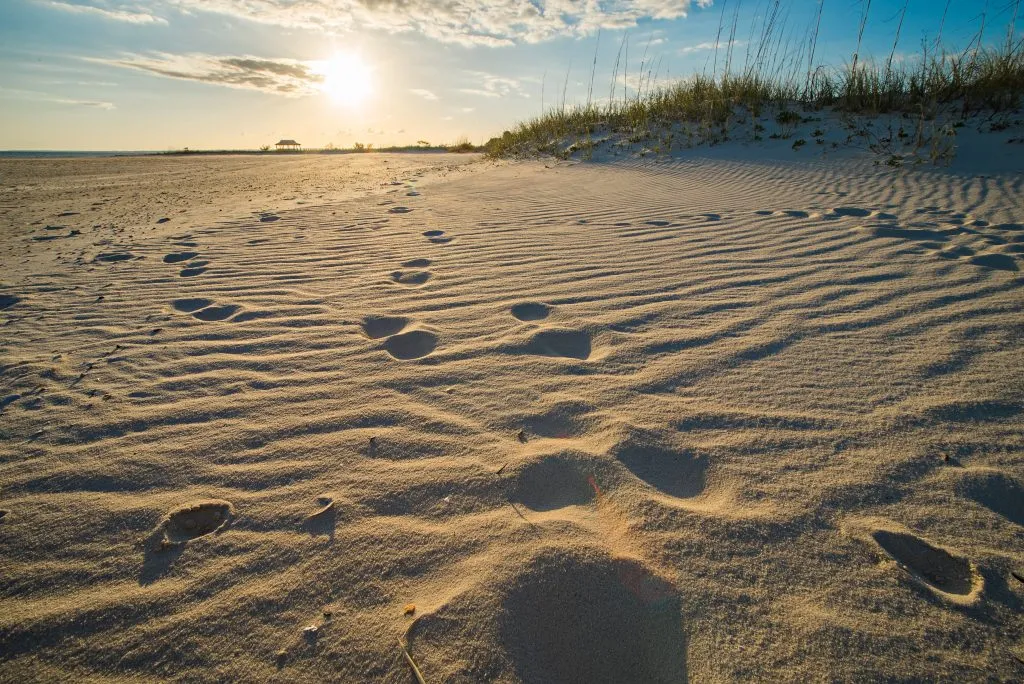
(288, 145)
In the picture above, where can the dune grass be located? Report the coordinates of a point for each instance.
(782, 75)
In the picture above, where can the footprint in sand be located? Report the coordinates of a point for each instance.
(177, 257)
(196, 520)
(113, 257)
(676, 472)
(531, 311)
(205, 309)
(886, 231)
(376, 327)
(936, 567)
(1002, 262)
(556, 621)
(560, 342)
(995, 490)
(413, 344)
(854, 212)
(554, 482)
(411, 278)
(564, 420)
(194, 268)
(437, 237)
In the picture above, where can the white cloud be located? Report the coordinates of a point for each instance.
(491, 85)
(287, 77)
(424, 93)
(490, 23)
(113, 14)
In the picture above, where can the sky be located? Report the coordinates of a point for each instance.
(240, 74)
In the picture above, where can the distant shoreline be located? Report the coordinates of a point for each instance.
(64, 154)
(74, 154)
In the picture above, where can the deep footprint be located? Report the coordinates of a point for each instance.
(376, 327)
(178, 257)
(411, 345)
(583, 616)
(856, 212)
(571, 344)
(552, 483)
(996, 491)
(197, 520)
(190, 305)
(112, 257)
(674, 472)
(564, 420)
(531, 311)
(937, 567)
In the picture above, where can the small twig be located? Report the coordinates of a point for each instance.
(412, 663)
(520, 514)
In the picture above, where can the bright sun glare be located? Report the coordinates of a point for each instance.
(347, 79)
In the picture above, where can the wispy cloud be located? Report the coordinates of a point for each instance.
(37, 96)
(491, 23)
(491, 85)
(709, 45)
(287, 77)
(424, 93)
(112, 14)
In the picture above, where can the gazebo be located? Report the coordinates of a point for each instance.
(287, 145)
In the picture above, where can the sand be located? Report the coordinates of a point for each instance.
(657, 421)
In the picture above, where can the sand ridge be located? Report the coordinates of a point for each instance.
(699, 420)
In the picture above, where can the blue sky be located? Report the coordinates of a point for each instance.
(166, 74)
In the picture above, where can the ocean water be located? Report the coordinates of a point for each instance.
(55, 154)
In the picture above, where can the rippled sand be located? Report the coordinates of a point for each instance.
(693, 420)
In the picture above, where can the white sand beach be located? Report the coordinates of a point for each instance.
(651, 420)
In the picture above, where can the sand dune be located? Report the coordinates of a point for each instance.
(693, 420)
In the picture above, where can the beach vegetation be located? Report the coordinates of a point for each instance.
(779, 78)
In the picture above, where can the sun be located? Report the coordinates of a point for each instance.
(347, 79)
